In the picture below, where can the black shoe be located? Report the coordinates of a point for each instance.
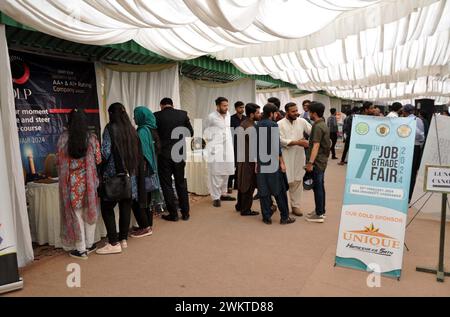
(334, 158)
(273, 209)
(78, 255)
(256, 197)
(217, 203)
(287, 221)
(249, 213)
(227, 198)
(92, 249)
(267, 221)
(185, 217)
(230, 190)
(236, 208)
(170, 218)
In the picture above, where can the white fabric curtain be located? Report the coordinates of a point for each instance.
(12, 184)
(285, 96)
(198, 97)
(427, 87)
(181, 29)
(401, 52)
(144, 88)
(327, 45)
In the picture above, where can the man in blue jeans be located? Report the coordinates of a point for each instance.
(320, 144)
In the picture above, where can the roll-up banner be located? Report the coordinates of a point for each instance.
(374, 212)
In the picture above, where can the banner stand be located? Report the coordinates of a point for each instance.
(440, 272)
(11, 287)
(10, 279)
(374, 211)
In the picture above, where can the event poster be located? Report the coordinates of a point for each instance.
(374, 212)
(46, 89)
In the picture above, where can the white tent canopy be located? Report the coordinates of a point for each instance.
(408, 57)
(163, 26)
(345, 46)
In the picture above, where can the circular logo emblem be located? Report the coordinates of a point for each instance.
(404, 131)
(20, 71)
(383, 130)
(362, 128)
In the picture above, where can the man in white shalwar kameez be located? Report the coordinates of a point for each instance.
(220, 152)
(292, 131)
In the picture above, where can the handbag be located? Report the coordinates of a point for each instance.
(151, 183)
(117, 187)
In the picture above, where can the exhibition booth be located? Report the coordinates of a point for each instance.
(46, 86)
(54, 58)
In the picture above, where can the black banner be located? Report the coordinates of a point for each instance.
(46, 90)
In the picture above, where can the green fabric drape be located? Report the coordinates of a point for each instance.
(146, 122)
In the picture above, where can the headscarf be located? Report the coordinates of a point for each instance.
(146, 122)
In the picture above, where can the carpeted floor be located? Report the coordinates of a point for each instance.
(220, 253)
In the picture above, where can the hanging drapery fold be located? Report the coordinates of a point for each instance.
(12, 182)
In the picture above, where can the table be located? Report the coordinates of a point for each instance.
(45, 218)
(197, 173)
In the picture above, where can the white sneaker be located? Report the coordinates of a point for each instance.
(124, 244)
(110, 249)
(312, 213)
(315, 218)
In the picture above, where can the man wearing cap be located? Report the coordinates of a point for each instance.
(408, 111)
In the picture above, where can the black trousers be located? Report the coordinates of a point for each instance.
(167, 168)
(346, 148)
(144, 217)
(109, 218)
(232, 180)
(267, 203)
(245, 200)
(417, 158)
(333, 137)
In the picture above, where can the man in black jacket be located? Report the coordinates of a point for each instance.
(236, 121)
(167, 120)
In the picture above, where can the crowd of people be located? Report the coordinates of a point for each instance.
(132, 169)
(272, 151)
(278, 148)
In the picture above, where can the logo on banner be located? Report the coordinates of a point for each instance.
(372, 240)
(362, 128)
(383, 130)
(404, 131)
(20, 70)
